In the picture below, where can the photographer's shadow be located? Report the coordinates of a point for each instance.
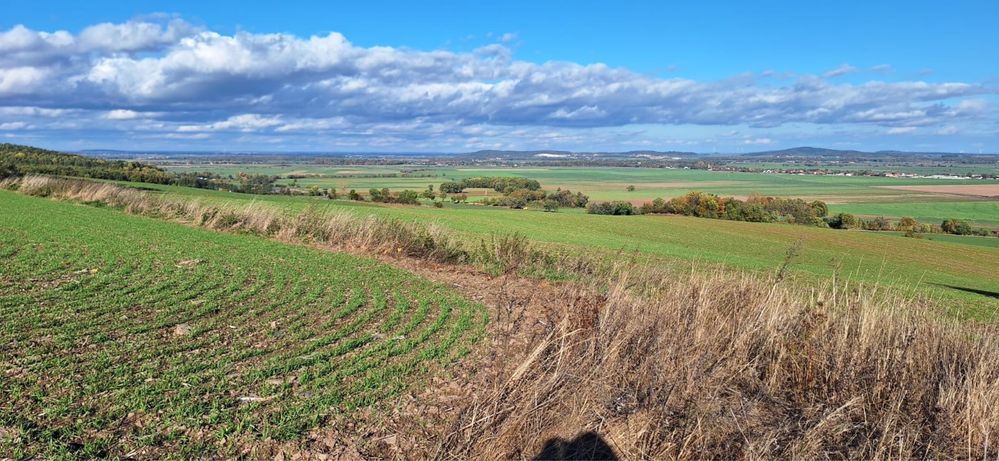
(587, 446)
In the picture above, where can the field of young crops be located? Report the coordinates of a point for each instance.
(124, 336)
(956, 269)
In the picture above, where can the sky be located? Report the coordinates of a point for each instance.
(461, 76)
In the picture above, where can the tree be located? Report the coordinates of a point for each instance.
(451, 187)
(551, 206)
(819, 208)
(429, 192)
(956, 227)
(907, 224)
(842, 221)
(631, 188)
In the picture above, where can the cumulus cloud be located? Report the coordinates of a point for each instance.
(168, 75)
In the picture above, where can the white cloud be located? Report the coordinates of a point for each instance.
(843, 69)
(122, 114)
(13, 125)
(882, 68)
(244, 122)
(169, 76)
(902, 130)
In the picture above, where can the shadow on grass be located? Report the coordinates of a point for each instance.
(587, 446)
(986, 293)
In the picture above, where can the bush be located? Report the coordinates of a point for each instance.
(956, 227)
(908, 225)
(611, 208)
(877, 224)
(842, 221)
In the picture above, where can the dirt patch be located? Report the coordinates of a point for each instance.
(970, 190)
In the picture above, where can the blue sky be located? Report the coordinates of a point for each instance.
(455, 76)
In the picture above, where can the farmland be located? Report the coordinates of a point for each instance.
(853, 194)
(127, 336)
(158, 321)
(951, 268)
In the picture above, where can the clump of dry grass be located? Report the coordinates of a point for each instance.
(732, 366)
(370, 234)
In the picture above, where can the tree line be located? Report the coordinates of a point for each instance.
(760, 208)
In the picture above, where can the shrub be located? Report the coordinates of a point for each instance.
(842, 221)
(956, 227)
(876, 224)
(611, 208)
(908, 225)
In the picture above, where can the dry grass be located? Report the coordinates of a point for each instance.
(369, 234)
(663, 366)
(731, 366)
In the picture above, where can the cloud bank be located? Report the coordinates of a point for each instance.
(164, 77)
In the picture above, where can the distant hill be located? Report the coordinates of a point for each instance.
(819, 152)
(807, 152)
(555, 154)
(16, 160)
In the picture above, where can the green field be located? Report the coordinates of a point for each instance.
(119, 333)
(855, 194)
(953, 268)
(983, 213)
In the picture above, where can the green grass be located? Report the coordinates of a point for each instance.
(282, 336)
(984, 213)
(941, 267)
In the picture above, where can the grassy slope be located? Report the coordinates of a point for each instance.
(89, 302)
(865, 256)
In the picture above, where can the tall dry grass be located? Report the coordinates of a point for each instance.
(371, 234)
(731, 366)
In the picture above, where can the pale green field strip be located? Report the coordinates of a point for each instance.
(281, 336)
